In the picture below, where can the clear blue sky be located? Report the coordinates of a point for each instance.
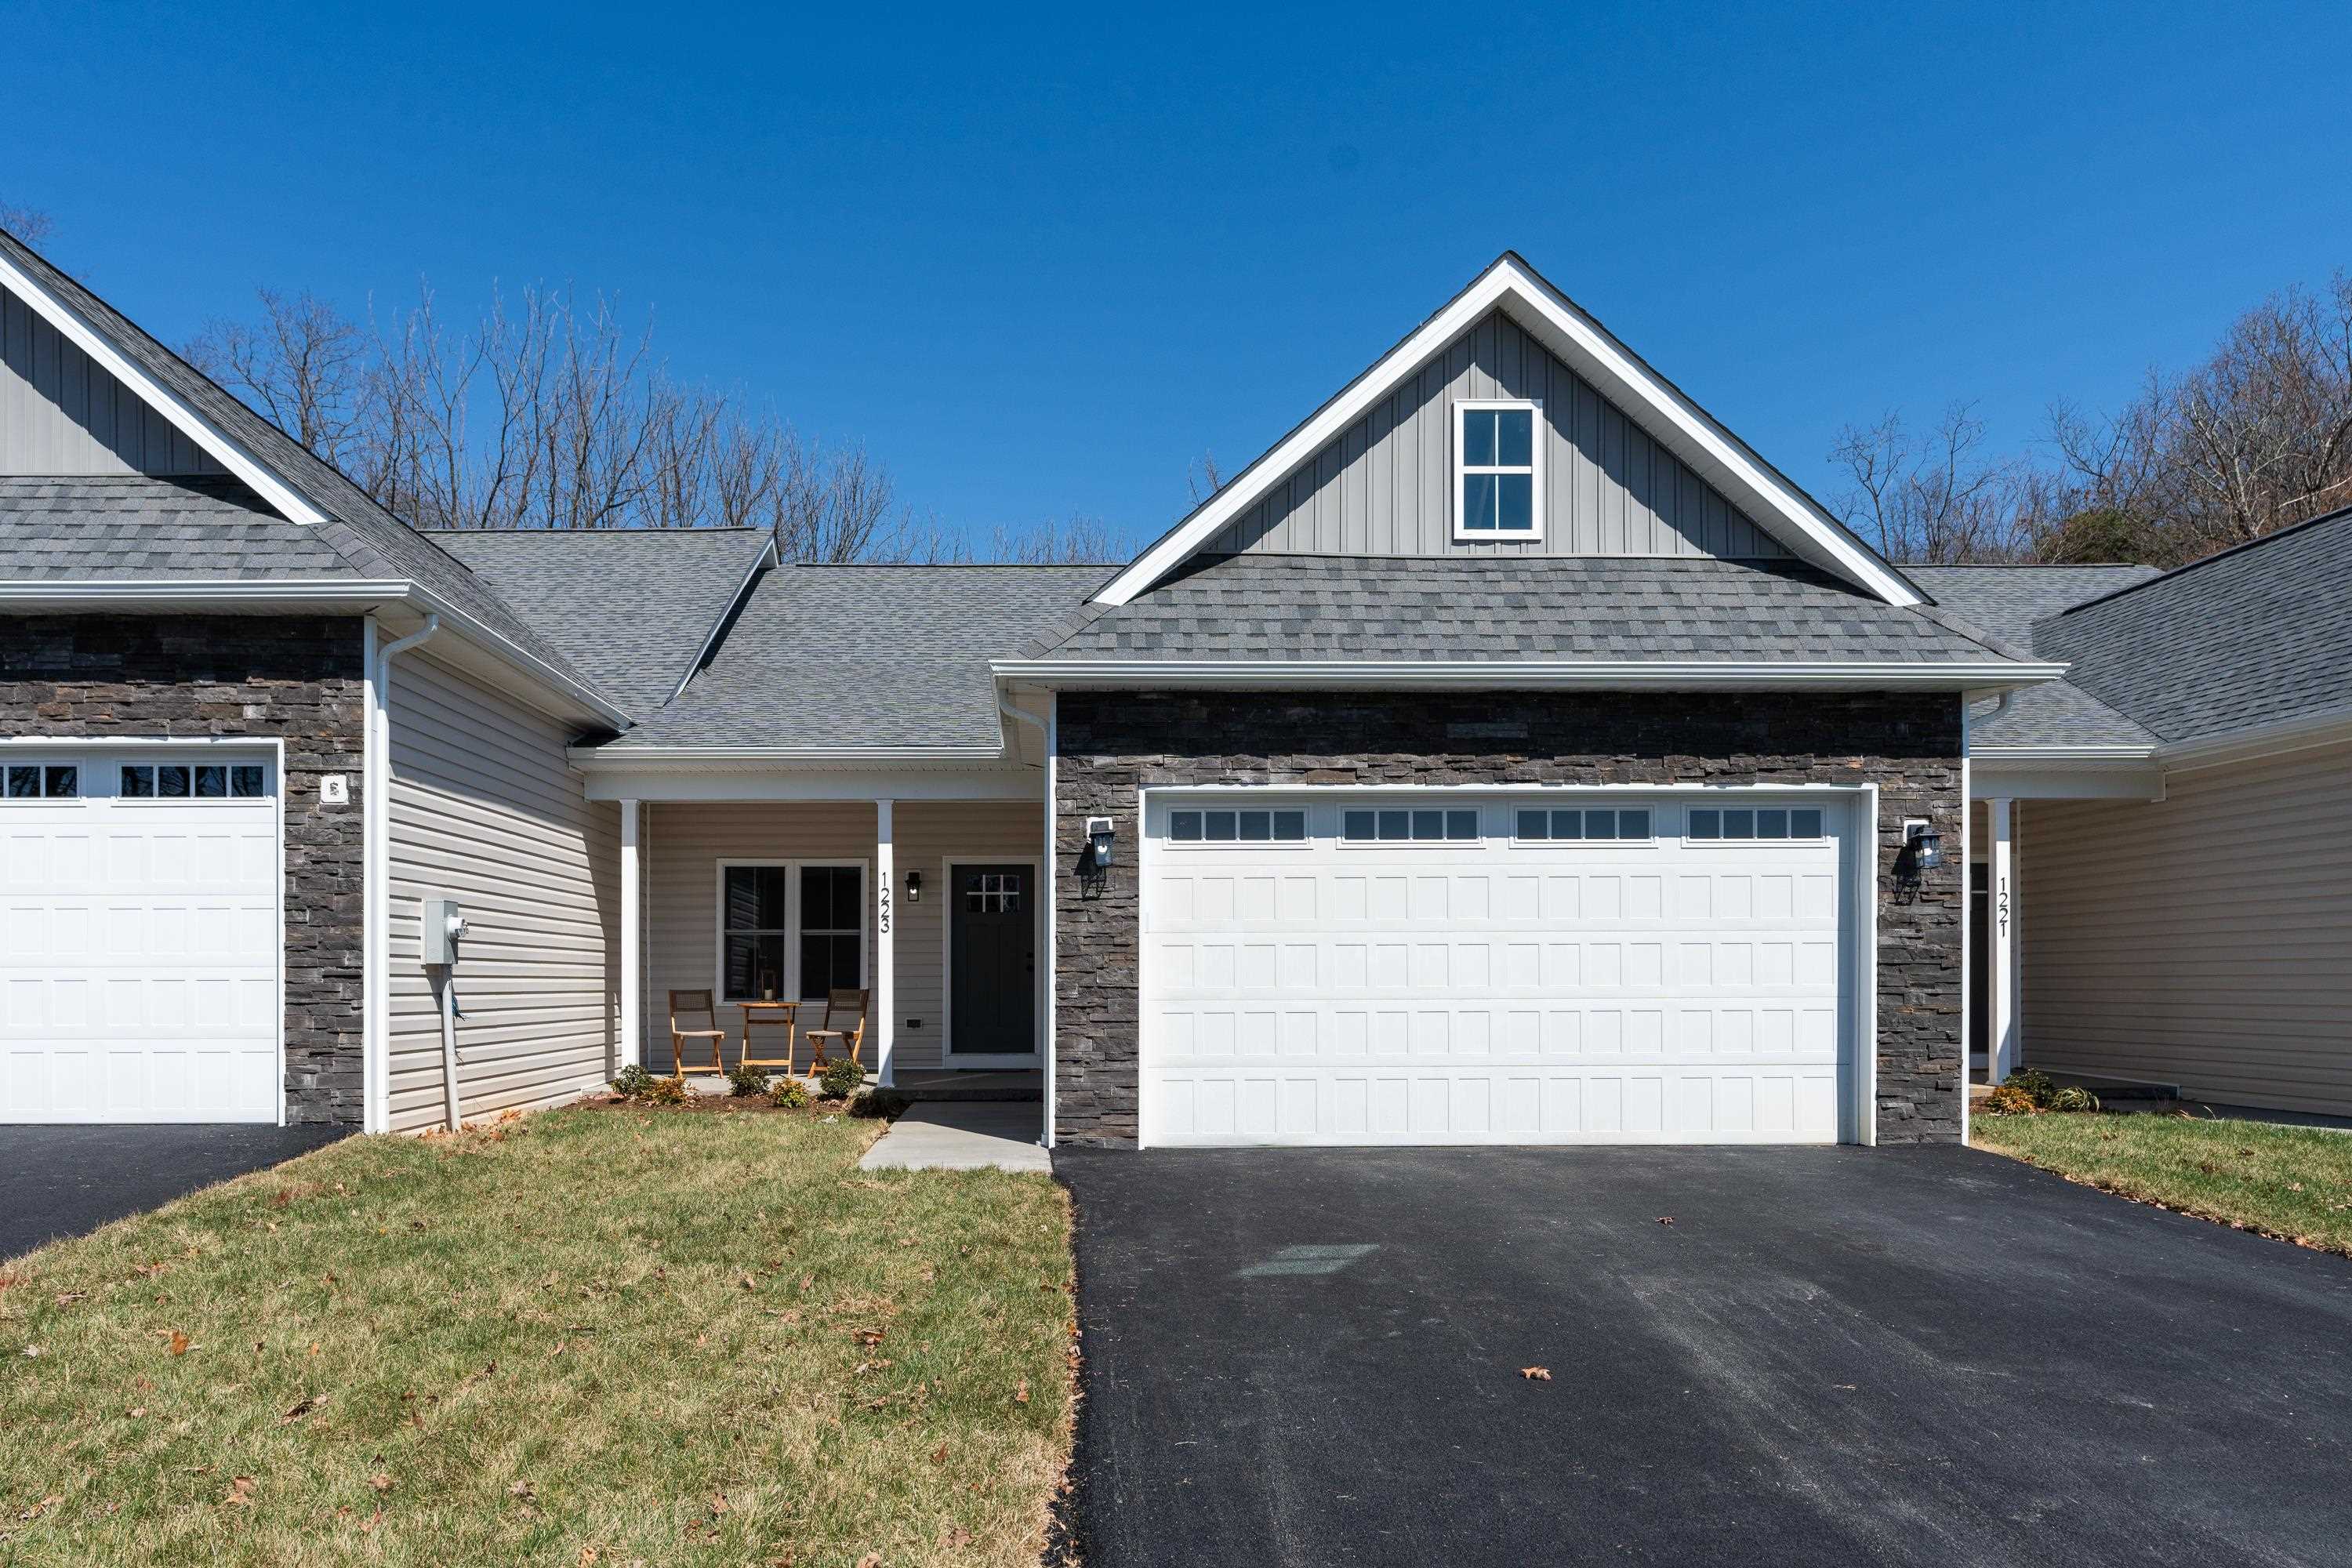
(1037, 266)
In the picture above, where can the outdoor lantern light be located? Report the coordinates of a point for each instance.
(1922, 852)
(1095, 855)
(914, 887)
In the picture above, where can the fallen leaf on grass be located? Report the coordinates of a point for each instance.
(68, 1298)
(1020, 1394)
(381, 1481)
(1536, 1373)
(522, 1490)
(240, 1493)
(718, 1502)
(301, 1408)
(179, 1342)
(956, 1536)
(35, 1512)
(871, 1559)
(940, 1455)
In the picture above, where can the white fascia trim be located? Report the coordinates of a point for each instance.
(229, 453)
(1591, 353)
(766, 558)
(1263, 675)
(2260, 739)
(2068, 756)
(220, 592)
(601, 758)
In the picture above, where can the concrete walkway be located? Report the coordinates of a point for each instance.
(962, 1135)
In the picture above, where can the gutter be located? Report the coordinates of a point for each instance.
(375, 1095)
(1261, 675)
(606, 759)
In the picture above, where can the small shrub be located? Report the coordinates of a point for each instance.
(790, 1094)
(841, 1078)
(2008, 1100)
(2037, 1087)
(2073, 1096)
(644, 1088)
(746, 1081)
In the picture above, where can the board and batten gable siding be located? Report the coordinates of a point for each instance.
(1384, 485)
(2204, 940)
(485, 810)
(62, 416)
(683, 846)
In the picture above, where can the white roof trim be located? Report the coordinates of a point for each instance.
(210, 593)
(1295, 674)
(229, 453)
(1587, 348)
(623, 758)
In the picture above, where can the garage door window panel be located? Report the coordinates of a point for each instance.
(1758, 824)
(43, 780)
(199, 781)
(1390, 824)
(1609, 825)
(1218, 825)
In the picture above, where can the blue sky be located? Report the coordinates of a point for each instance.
(1038, 266)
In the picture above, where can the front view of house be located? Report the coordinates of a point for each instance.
(1508, 755)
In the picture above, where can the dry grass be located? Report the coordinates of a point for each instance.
(584, 1337)
(2294, 1183)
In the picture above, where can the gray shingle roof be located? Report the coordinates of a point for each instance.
(371, 542)
(2006, 600)
(633, 607)
(136, 527)
(861, 657)
(2258, 635)
(1303, 607)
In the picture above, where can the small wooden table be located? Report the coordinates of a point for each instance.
(769, 1015)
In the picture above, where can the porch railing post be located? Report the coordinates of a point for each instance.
(631, 940)
(886, 916)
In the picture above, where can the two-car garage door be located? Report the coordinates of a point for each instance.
(139, 934)
(1447, 967)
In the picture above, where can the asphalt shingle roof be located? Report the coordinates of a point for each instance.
(861, 657)
(2006, 600)
(371, 541)
(1284, 609)
(138, 527)
(633, 607)
(2258, 635)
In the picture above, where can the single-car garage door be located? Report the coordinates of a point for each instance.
(1436, 967)
(139, 934)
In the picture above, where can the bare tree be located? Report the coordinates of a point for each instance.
(304, 365)
(1203, 477)
(30, 225)
(1931, 497)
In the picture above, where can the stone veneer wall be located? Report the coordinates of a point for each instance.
(298, 677)
(1110, 745)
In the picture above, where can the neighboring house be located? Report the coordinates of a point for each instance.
(1509, 754)
(2158, 851)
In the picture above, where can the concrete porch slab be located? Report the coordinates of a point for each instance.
(962, 1135)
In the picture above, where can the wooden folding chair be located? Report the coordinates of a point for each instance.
(841, 1004)
(688, 1004)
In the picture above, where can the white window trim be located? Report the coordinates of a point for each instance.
(1535, 470)
(793, 983)
(1039, 897)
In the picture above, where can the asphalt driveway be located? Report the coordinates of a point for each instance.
(1829, 1355)
(64, 1181)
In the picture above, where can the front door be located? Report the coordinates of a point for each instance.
(993, 962)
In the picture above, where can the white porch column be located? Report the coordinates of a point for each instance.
(885, 885)
(2002, 1027)
(631, 939)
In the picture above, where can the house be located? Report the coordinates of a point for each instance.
(1509, 754)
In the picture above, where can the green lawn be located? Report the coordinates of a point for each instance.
(583, 1337)
(2294, 1183)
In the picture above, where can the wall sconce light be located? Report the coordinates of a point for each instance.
(914, 887)
(1922, 852)
(1094, 855)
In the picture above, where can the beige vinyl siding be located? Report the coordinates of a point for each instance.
(2204, 940)
(485, 810)
(60, 414)
(1385, 485)
(684, 845)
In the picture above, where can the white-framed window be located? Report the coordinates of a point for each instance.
(1762, 822)
(194, 781)
(1237, 824)
(1498, 469)
(790, 929)
(1408, 825)
(40, 780)
(1582, 824)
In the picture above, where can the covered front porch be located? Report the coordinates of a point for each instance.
(925, 890)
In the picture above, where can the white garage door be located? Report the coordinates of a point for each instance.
(1434, 968)
(139, 935)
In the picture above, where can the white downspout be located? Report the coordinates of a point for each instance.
(377, 1036)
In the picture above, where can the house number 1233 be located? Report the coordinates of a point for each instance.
(886, 911)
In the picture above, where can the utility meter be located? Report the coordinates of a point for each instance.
(444, 923)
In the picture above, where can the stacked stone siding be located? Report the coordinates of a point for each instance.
(298, 678)
(1111, 745)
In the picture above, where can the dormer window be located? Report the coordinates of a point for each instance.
(1497, 469)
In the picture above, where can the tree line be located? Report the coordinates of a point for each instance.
(2254, 437)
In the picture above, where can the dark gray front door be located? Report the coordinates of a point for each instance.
(992, 960)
